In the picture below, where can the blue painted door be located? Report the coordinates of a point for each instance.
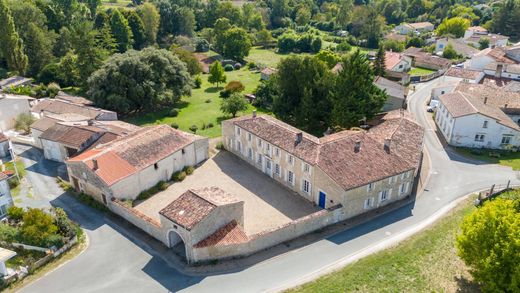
(321, 201)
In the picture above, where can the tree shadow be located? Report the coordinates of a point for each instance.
(466, 286)
(213, 89)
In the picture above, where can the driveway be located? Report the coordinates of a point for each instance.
(116, 261)
(267, 203)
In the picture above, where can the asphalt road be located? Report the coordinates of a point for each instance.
(117, 261)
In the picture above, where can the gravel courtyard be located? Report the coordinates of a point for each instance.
(267, 204)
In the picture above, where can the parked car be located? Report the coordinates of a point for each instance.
(433, 104)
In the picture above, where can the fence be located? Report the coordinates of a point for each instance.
(492, 192)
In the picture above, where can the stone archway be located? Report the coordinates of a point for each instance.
(177, 245)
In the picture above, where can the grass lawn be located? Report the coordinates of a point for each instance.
(419, 71)
(19, 166)
(511, 159)
(427, 262)
(196, 110)
(116, 3)
(266, 57)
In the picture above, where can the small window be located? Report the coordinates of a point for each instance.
(400, 66)
(306, 186)
(250, 153)
(290, 159)
(442, 92)
(259, 142)
(249, 137)
(368, 203)
(239, 146)
(370, 186)
(290, 177)
(306, 168)
(384, 195)
(506, 139)
(479, 137)
(156, 166)
(485, 125)
(238, 130)
(183, 151)
(277, 169)
(277, 152)
(259, 159)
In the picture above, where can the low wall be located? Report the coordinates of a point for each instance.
(272, 237)
(138, 219)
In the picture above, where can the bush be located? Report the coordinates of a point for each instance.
(343, 47)
(23, 122)
(179, 176)
(197, 82)
(8, 233)
(194, 128)
(65, 226)
(15, 213)
(201, 45)
(237, 66)
(220, 146)
(251, 65)
(210, 125)
(38, 228)
(228, 67)
(224, 94)
(174, 125)
(189, 170)
(234, 86)
(173, 112)
(207, 101)
(162, 186)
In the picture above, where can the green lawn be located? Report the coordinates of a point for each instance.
(19, 166)
(419, 71)
(116, 4)
(506, 158)
(196, 110)
(427, 262)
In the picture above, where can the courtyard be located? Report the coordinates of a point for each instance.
(267, 203)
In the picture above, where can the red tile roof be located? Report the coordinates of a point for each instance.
(71, 135)
(392, 59)
(463, 73)
(3, 137)
(62, 107)
(232, 233)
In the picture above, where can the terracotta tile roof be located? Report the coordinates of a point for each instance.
(493, 38)
(103, 139)
(395, 36)
(392, 59)
(392, 88)
(73, 99)
(3, 176)
(62, 107)
(496, 53)
(461, 104)
(421, 56)
(232, 233)
(44, 123)
(194, 205)
(3, 137)
(463, 73)
(419, 25)
(335, 154)
(477, 29)
(72, 136)
(462, 48)
(495, 96)
(135, 151)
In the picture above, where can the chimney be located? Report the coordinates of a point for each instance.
(357, 146)
(94, 162)
(299, 137)
(90, 122)
(485, 100)
(254, 113)
(505, 106)
(387, 144)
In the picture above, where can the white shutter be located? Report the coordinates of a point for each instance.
(389, 193)
(380, 195)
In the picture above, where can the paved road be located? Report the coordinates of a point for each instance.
(116, 261)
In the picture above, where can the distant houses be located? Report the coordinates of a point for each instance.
(416, 27)
(475, 34)
(10, 107)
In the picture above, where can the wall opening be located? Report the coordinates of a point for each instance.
(177, 245)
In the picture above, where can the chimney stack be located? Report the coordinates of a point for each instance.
(357, 146)
(485, 100)
(254, 113)
(299, 137)
(94, 162)
(387, 144)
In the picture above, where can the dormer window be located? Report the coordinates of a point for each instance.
(485, 125)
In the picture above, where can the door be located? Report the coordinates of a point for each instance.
(76, 184)
(321, 201)
(268, 167)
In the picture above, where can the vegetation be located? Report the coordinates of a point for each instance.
(455, 26)
(160, 186)
(23, 122)
(234, 104)
(450, 53)
(505, 158)
(216, 73)
(379, 63)
(418, 71)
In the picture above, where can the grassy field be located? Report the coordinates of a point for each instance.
(116, 3)
(427, 262)
(202, 107)
(511, 159)
(418, 71)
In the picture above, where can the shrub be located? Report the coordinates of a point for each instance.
(198, 82)
(201, 45)
(189, 170)
(224, 94)
(143, 195)
(343, 47)
(15, 213)
(23, 122)
(237, 66)
(179, 176)
(251, 65)
(8, 233)
(220, 146)
(53, 89)
(207, 101)
(37, 228)
(174, 112)
(234, 86)
(203, 125)
(210, 125)
(194, 128)
(65, 226)
(228, 67)
(174, 125)
(162, 186)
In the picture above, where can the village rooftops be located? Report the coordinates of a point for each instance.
(462, 48)
(73, 99)
(194, 205)
(463, 73)
(392, 59)
(392, 88)
(494, 96)
(127, 155)
(461, 104)
(508, 68)
(477, 29)
(348, 156)
(14, 81)
(496, 53)
(57, 106)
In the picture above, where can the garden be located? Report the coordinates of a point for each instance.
(501, 157)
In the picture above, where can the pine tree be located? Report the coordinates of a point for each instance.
(121, 31)
(379, 63)
(11, 44)
(136, 25)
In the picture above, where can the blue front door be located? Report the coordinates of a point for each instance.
(321, 201)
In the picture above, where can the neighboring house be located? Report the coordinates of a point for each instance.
(359, 170)
(395, 37)
(49, 120)
(417, 27)
(45, 107)
(10, 107)
(266, 73)
(397, 62)
(513, 52)
(467, 121)
(14, 81)
(456, 74)
(4, 146)
(509, 71)
(426, 60)
(125, 167)
(444, 88)
(458, 45)
(482, 59)
(73, 99)
(65, 140)
(474, 34)
(396, 93)
(5, 195)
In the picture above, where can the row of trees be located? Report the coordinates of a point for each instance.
(306, 94)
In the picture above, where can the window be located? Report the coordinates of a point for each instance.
(485, 125)
(277, 152)
(385, 195)
(249, 137)
(183, 151)
(238, 130)
(403, 188)
(156, 166)
(239, 146)
(268, 147)
(290, 159)
(306, 186)
(506, 139)
(277, 169)
(479, 137)
(400, 66)
(250, 153)
(392, 179)
(370, 186)
(290, 177)
(306, 168)
(259, 142)
(259, 159)
(368, 203)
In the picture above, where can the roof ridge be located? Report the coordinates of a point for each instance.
(467, 100)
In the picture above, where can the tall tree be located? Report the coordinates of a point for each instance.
(12, 45)
(151, 20)
(90, 55)
(354, 95)
(455, 26)
(121, 31)
(38, 48)
(379, 63)
(137, 27)
(185, 22)
(236, 44)
(234, 104)
(216, 73)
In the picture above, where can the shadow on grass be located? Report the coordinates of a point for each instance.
(213, 89)
(153, 117)
(466, 286)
